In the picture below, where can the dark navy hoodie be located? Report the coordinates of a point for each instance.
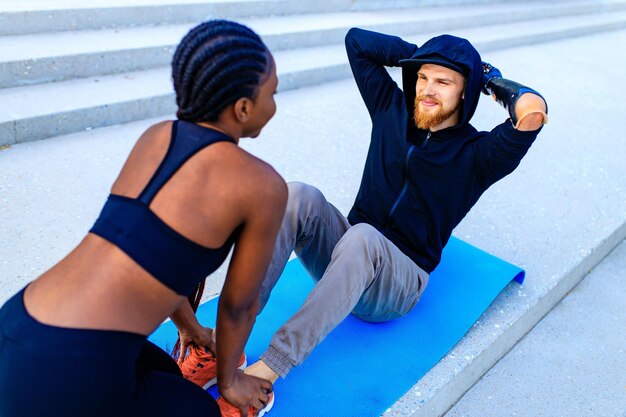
(418, 185)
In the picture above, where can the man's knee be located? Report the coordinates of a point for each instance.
(364, 235)
(302, 191)
(362, 243)
(302, 194)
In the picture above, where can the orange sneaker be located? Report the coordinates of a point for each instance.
(200, 366)
(229, 410)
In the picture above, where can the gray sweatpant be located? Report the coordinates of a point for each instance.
(356, 270)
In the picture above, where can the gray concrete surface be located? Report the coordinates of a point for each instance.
(67, 15)
(132, 95)
(62, 55)
(556, 216)
(572, 364)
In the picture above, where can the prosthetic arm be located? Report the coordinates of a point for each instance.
(508, 94)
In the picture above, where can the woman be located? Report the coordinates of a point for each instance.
(73, 342)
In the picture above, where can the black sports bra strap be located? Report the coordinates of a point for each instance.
(187, 139)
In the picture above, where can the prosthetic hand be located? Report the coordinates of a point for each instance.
(489, 72)
(507, 93)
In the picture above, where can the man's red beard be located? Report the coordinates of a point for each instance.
(424, 120)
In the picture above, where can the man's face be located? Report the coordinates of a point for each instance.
(438, 94)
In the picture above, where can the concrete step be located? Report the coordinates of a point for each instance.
(52, 109)
(34, 16)
(48, 57)
(571, 364)
(558, 215)
(39, 16)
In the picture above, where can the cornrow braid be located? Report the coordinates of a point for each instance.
(215, 64)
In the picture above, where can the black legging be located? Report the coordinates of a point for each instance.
(54, 371)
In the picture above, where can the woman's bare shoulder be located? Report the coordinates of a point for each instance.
(158, 131)
(256, 178)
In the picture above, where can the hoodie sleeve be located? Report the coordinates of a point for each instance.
(369, 53)
(500, 151)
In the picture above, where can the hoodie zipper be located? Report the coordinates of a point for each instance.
(406, 173)
(423, 145)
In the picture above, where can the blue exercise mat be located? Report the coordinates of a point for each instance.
(362, 368)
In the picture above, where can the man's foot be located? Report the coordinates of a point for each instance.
(261, 370)
(200, 366)
(229, 410)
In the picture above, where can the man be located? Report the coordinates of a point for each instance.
(426, 167)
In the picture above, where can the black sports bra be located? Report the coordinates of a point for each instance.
(129, 223)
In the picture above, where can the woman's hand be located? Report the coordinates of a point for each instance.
(246, 390)
(201, 336)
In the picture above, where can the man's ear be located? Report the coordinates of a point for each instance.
(242, 108)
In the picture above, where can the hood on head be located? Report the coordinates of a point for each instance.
(451, 52)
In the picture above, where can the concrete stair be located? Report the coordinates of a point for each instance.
(570, 364)
(54, 81)
(557, 216)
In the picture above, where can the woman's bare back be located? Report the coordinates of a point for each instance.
(98, 286)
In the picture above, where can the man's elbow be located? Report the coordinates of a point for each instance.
(350, 37)
(531, 111)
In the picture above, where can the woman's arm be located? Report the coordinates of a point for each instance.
(190, 330)
(264, 207)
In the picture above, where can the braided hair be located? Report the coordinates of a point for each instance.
(214, 65)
